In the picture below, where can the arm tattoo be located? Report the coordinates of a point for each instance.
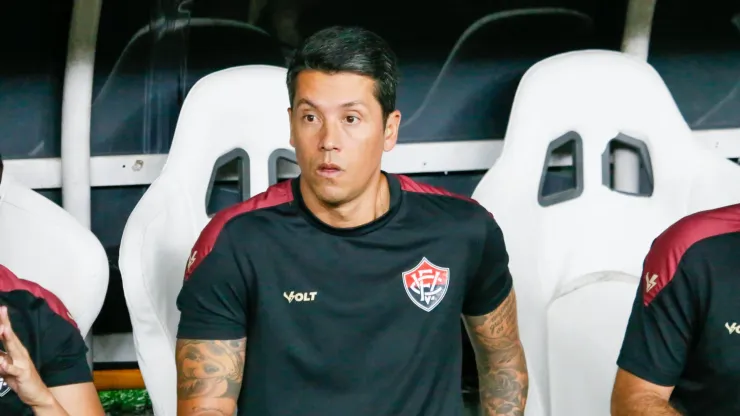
(209, 369)
(207, 411)
(502, 368)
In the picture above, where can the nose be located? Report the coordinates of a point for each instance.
(329, 139)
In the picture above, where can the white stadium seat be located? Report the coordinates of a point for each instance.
(41, 242)
(588, 98)
(237, 112)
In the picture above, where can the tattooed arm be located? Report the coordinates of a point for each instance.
(502, 368)
(209, 376)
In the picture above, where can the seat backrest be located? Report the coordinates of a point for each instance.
(238, 112)
(586, 322)
(590, 99)
(43, 243)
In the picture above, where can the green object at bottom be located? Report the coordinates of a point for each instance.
(126, 402)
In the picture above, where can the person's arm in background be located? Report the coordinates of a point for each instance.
(63, 384)
(658, 335)
(211, 340)
(64, 367)
(491, 320)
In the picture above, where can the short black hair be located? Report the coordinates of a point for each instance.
(349, 49)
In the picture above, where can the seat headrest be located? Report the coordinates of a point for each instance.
(599, 95)
(241, 109)
(43, 243)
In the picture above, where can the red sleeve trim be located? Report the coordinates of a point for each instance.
(275, 195)
(410, 185)
(10, 282)
(668, 249)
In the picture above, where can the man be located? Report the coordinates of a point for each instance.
(681, 351)
(43, 364)
(347, 283)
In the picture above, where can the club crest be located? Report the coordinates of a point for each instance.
(4, 387)
(426, 284)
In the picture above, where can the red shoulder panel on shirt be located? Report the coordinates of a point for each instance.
(278, 194)
(410, 185)
(668, 249)
(10, 282)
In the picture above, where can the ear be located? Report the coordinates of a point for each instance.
(290, 120)
(391, 130)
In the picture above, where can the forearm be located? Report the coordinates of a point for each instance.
(504, 384)
(646, 404)
(205, 408)
(51, 408)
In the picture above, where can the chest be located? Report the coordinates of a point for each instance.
(358, 280)
(719, 343)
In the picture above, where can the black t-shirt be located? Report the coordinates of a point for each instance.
(684, 330)
(48, 332)
(362, 321)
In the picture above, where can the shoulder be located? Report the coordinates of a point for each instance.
(31, 297)
(674, 246)
(274, 196)
(459, 205)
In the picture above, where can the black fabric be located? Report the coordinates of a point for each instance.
(332, 325)
(685, 337)
(55, 345)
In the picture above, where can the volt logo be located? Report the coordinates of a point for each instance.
(300, 296)
(733, 329)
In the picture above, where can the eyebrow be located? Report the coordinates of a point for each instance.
(304, 101)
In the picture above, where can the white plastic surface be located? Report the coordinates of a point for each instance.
(238, 108)
(586, 323)
(598, 94)
(41, 242)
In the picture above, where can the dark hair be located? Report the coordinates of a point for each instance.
(349, 49)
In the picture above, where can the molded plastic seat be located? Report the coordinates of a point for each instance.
(589, 98)
(238, 112)
(43, 243)
(586, 321)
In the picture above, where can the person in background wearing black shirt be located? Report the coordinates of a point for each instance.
(43, 362)
(681, 351)
(347, 283)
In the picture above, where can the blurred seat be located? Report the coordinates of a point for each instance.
(34, 53)
(695, 47)
(149, 55)
(234, 114)
(41, 242)
(137, 101)
(591, 103)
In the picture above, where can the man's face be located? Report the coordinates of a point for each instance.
(338, 133)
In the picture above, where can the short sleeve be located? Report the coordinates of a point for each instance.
(492, 281)
(661, 326)
(63, 351)
(213, 299)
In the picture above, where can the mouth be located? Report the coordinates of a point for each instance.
(329, 170)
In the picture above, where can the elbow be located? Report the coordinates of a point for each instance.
(622, 400)
(615, 408)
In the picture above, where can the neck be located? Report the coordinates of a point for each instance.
(370, 205)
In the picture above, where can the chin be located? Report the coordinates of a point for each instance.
(331, 197)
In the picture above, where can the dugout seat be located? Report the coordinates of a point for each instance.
(589, 102)
(238, 113)
(43, 243)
